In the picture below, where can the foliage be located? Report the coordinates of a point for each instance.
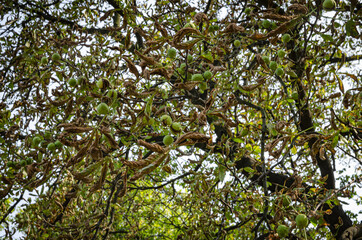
(260, 100)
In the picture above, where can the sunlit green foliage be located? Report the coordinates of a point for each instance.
(260, 103)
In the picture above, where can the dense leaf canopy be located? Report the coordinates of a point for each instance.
(169, 119)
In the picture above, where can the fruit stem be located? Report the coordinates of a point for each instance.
(305, 233)
(100, 123)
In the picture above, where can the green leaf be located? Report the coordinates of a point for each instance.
(148, 108)
(351, 29)
(222, 173)
(327, 38)
(237, 140)
(249, 169)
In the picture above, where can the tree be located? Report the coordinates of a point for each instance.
(180, 120)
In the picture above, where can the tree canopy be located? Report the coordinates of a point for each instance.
(171, 119)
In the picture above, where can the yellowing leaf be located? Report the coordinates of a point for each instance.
(340, 83)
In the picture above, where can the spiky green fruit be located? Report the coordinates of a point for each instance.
(47, 135)
(182, 68)
(286, 38)
(247, 11)
(266, 23)
(51, 147)
(283, 231)
(237, 43)
(329, 4)
(36, 141)
(207, 75)
(166, 120)
(171, 53)
(44, 60)
(183, 65)
(273, 65)
(102, 108)
(197, 77)
(203, 86)
(279, 71)
(167, 140)
(72, 82)
(302, 221)
(56, 57)
(266, 60)
(176, 127)
(281, 53)
(58, 144)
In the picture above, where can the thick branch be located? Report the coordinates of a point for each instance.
(346, 59)
(279, 181)
(67, 22)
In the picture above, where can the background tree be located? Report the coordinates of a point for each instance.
(180, 119)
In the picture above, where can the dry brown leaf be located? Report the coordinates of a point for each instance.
(257, 36)
(270, 146)
(251, 87)
(335, 95)
(161, 29)
(233, 28)
(137, 164)
(284, 27)
(88, 170)
(140, 32)
(132, 68)
(75, 129)
(315, 150)
(280, 125)
(163, 72)
(177, 39)
(157, 162)
(106, 15)
(298, 8)
(187, 86)
(183, 32)
(81, 153)
(101, 179)
(148, 60)
(151, 146)
(69, 108)
(277, 17)
(111, 140)
(124, 185)
(200, 17)
(322, 152)
(5, 192)
(261, 62)
(167, 169)
(195, 136)
(146, 74)
(187, 45)
(59, 102)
